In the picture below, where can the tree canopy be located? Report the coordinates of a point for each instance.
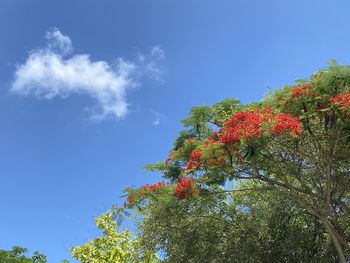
(243, 227)
(288, 153)
(112, 246)
(19, 255)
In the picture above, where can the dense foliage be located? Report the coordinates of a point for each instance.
(112, 246)
(19, 255)
(288, 154)
(242, 227)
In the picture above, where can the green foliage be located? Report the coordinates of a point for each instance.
(112, 246)
(19, 255)
(183, 136)
(171, 170)
(250, 226)
(202, 119)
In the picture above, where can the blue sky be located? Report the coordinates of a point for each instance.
(70, 142)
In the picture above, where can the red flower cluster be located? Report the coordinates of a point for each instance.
(341, 99)
(213, 138)
(185, 188)
(142, 192)
(244, 124)
(249, 124)
(196, 155)
(302, 91)
(286, 123)
(153, 187)
(194, 161)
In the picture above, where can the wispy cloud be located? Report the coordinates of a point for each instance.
(156, 122)
(54, 71)
(158, 117)
(58, 42)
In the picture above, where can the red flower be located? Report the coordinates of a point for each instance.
(142, 192)
(191, 165)
(194, 161)
(341, 99)
(286, 123)
(153, 187)
(213, 138)
(196, 155)
(185, 188)
(250, 124)
(302, 91)
(244, 124)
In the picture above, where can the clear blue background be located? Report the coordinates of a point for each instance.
(58, 170)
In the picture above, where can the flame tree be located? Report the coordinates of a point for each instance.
(294, 142)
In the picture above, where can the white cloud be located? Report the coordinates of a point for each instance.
(158, 117)
(50, 73)
(156, 122)
(57, 41)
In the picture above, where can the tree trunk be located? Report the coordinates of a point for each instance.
(335, 240)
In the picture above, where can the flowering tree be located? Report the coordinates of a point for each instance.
(294, 142)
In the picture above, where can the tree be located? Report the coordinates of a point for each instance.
(238, 227)
(18, 255)
(295, 142)
(112, 246)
